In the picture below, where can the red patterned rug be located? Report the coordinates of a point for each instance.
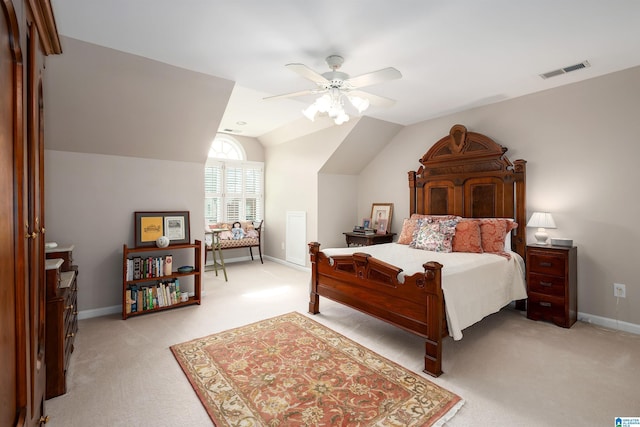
(292, 371)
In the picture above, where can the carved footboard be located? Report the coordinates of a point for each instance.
(367, 284)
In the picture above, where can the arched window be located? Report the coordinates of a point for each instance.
(233, 186)
(226, 147)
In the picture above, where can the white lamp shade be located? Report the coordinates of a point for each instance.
(541, 220)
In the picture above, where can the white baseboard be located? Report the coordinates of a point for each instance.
(97, 312)
(605, 322)
(236, 259)
(288, 264)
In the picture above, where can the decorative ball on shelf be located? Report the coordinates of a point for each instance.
(162, 242)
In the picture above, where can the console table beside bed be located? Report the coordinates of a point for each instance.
(361, 239)
(465, 174)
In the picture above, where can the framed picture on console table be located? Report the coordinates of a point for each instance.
(151, 225)
(382, 227)
(381, 211)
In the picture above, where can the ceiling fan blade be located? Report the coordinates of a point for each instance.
(293, 94)
(375, 77)
(375, 100)
(307, 73)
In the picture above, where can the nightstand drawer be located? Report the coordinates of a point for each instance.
(545, 284)
(545, 307)
(547, 263)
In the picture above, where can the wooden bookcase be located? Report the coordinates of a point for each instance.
(127, 282)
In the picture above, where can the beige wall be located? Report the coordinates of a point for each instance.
(103, 101)
(90, 203)
(123, 134)
(291, 182)
(338, 210)
(581, 143)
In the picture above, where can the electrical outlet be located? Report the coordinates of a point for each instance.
(619, 290)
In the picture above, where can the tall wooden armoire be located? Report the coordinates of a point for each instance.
(27, 35)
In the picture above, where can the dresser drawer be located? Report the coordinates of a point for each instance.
(546, 307)
(546, 263)
(547, 285)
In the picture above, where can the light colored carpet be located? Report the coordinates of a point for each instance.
(511, 371)
(290, 370)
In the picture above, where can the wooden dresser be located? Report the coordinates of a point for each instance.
(62, 317)
(552, 284)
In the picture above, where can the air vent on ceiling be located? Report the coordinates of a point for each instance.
(565, 70)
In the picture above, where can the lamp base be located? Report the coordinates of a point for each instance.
(541, 236)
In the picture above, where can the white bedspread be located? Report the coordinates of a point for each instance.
(474, 285)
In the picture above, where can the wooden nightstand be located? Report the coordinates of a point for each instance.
(552, 284)
(359, 239)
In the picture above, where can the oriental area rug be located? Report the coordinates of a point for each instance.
(292, 371)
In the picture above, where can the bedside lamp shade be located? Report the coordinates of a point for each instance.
(541, 220)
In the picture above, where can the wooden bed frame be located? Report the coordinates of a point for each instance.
(465, 174)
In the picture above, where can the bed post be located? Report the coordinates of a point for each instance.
(412, 193)
(435, 319)
(519, 244)
(314, 298)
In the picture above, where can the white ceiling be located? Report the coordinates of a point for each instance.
(453, 54)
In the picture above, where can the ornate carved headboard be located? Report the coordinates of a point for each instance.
(467, 174)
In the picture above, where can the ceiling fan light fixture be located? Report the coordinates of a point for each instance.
(330, 103)
(310, 112)
(323, 104)
(361, 104)
(336, 86)
(341, 118)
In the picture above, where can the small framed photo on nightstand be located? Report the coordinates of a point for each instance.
(382, 227)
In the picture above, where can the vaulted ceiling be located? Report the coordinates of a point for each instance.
(453, 55)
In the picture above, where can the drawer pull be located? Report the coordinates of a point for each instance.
(546, 283)
(545, 264)
(70, 335)
(43, 419)
(545, 304)
(69, 307)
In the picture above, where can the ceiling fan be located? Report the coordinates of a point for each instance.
(335, 86)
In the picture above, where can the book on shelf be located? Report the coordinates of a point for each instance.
(138, 268)
(168, 265)
(131, 297)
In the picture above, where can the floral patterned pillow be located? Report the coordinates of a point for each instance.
(494, 232)
(434, 236)
(468, 237)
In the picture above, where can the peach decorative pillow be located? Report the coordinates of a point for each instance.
(468, 237)
(494, 231)
(408, 228)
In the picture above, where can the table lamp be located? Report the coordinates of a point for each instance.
(541, 220)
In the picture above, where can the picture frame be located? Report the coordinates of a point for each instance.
(382, 227)
(381, 211)
(151, 225)
(366, 222)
